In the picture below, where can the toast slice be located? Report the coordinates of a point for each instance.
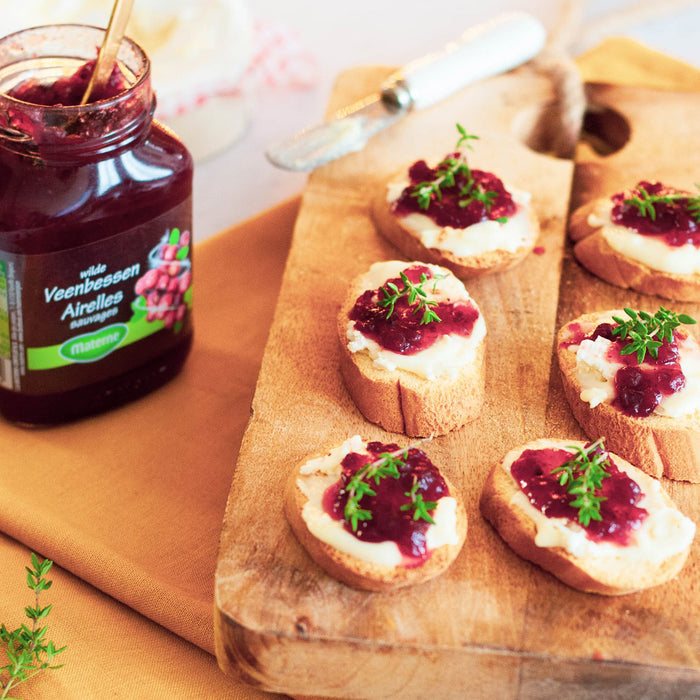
(659, 444)
(593, 250)
(405, 233)
(372, 566)
(656, 553)
(406, 400)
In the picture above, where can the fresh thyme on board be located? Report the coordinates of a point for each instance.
(583, 475)
(386, 465)
(646, 333)
(448, 171)
(418, 505)
(646, 202)
(416, 296)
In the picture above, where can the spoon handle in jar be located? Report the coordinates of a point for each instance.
(110, 45)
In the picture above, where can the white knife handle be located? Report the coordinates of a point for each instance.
(482, 51)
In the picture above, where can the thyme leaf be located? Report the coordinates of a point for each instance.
(416, 296)
(418, 505)
(646, 203)
(359, 485)
(446, 174)
(645, 333)
(386, 465)
(583, 475)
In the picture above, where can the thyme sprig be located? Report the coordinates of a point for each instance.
(416, 296)
(646, 202)
(26, 648)
(645, 333)
(359, 485)
(418, 505)
(447, 172)
(583, 475)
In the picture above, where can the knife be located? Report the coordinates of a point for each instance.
(484, 50)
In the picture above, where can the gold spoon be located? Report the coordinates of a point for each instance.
(110, 45)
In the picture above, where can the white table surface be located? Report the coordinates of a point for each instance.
(239, 182)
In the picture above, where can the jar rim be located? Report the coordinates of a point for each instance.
(55, 131)
(142, 76)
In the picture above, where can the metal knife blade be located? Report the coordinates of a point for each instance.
(482, 51)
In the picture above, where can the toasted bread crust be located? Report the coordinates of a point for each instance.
(659, 445)
(606, 575)
(579, 228)
(595, 254)
(402, 402)
(410, 245)
(361, 574)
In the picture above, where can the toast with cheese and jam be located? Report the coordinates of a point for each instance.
(376, 516)
(646, 238)
(587, 516)
(412, 344)
(462, 218)
(634, 377)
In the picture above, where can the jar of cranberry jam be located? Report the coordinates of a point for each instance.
(95, 221)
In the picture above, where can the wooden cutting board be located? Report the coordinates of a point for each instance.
(493, 626)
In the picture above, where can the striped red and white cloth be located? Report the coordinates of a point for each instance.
(278, 60)
(198, 50)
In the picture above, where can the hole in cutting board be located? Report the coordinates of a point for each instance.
(604, 130)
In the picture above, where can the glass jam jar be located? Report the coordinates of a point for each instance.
(95, 221)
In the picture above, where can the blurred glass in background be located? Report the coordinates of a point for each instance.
(199, 52)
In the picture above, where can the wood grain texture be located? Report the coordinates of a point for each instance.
(492, 626)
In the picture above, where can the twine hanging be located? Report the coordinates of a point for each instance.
(569, 107)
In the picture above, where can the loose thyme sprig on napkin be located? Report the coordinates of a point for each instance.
(386, 465)
(416, 296)
(26, 648)
(447, 173)
(584, 476)
(646, 333)
(646, 202)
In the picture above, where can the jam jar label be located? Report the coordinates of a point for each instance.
(5, 358)
(78, 316)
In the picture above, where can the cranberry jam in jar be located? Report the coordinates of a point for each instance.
(95, 231)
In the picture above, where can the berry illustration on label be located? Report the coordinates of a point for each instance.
(164, 290)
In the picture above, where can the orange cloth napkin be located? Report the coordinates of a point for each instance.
(131, 502)
(112, 651)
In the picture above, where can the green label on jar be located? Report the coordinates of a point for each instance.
(4, 319)
(88, 347)
(95, 312)
(5, 348)
(91, 347)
